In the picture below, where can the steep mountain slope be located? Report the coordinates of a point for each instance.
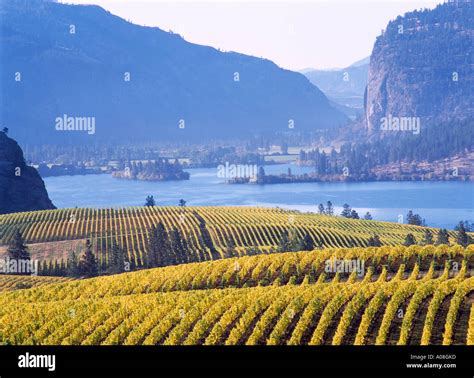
(139, 82)
(422, 67)
(21, 187)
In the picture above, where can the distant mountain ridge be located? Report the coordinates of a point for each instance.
(421, 67)
(85, 64)
(344, 86)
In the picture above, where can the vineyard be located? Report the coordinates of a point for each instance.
(52, 234)
(15, 282)
(402, 295)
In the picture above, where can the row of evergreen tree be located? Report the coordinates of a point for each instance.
(461, 238)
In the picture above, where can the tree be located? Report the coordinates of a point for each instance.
(354, 214)
(427, 238)
(329, 208)
(57, 268)
(18, 251)
(321, 209)
(88, 265)
(5, 130)
(177, 247)
(443, 237)
(73, 265)
(230, 248)
(158, 247)
(182, 203)
(462, 237)
(414, 219)
(117, 261)
(409, 240)
(44, 268)
(295, 243)
(374, 241)
(346, 211)
(464, 224)
(151, 249)
(150, 201)
(63, 268)
(307, 243)
(284, 243)
(367, 216)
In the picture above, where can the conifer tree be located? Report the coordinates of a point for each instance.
(177, 247)
(150, 201)
(321, 209)
(329, 208)
(117, 260)
(88, 264)
(374, 241)
(354, 214)
(409, 240)
(443, 237)
(346, 211)
(367, 216)
(284, 244)
(462, 237)
(230, 248)
(307, 243)
(18, 251)
(427, 237)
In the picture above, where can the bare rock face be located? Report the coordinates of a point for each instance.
(21, 187)
(421, 69)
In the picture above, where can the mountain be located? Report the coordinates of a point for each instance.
(421, 67)
(84, 68)
(21, 187)
(344, 86)
(363, 62)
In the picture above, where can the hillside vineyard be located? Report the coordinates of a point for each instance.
(415, 295)
(207, 229)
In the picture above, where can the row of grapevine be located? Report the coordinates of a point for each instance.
(291, 314)
(245, 227)
(272, 269)
(276, 299)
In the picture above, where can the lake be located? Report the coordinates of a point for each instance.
(442, 204)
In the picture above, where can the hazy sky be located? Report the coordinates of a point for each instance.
(294, 34)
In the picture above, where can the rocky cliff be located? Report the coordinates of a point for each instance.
(21, 187)
(421, 68)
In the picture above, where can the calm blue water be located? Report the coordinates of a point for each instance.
(442, 204)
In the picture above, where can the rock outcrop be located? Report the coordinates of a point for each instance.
(21, 187)
(421, 68)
